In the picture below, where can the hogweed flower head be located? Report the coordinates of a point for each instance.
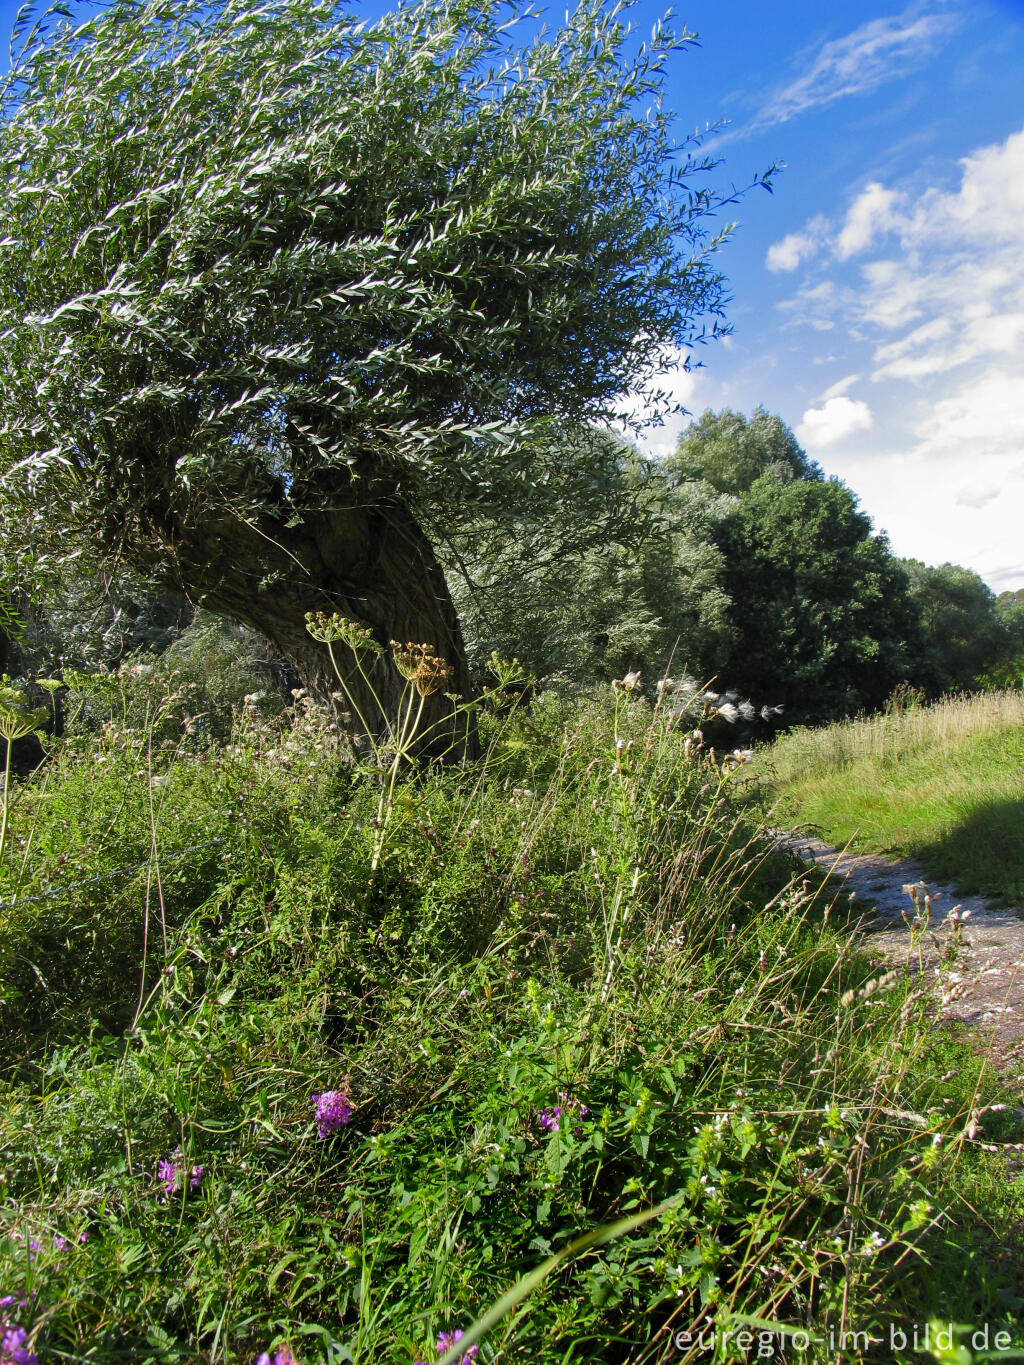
(421, 665)
(333, 1110)
(17, 717)
(328, 627)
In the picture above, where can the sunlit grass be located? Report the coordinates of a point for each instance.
(941, 783)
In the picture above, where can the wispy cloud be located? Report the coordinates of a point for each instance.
(940, 284)
(798, 246)
(879, 51)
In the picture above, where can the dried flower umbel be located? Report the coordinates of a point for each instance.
(328, 627)
(421, 665)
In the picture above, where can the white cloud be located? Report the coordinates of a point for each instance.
(876, 52)
(981, 421)
(953, 491)
(868, 217)
(950, 290)
(837, 418)
(798, 246)
(839, 387)
(976, 494)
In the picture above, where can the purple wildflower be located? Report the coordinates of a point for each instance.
(13, 1350)
(550, 1119)
(282, 1356)
(446, 1341)
(332, 1110)
(571, 1110)
(174, 1173)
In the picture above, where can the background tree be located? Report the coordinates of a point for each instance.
(821, 617)
(1009, 668)
(279, 292)
(963, 630)
(580, 602)
(728, 451)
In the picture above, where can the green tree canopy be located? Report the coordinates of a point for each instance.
(819, 609)
(284, 297)
(729, 451)
(823, 620)
(634, 587)
(963, 630)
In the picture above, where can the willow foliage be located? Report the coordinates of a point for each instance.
(248, 247)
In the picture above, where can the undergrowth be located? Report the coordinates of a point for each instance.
(289, 1068)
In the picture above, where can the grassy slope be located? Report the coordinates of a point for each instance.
(943, 784)
(574, 916)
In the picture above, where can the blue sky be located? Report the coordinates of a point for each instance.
(878, 295)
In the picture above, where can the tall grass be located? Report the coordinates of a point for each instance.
(942, 783)
(589, 1038)
(903, 729)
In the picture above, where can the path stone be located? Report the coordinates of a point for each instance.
(983, 981)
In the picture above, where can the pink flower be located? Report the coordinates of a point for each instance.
(332, 1110)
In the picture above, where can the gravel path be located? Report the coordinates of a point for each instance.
(984, 983)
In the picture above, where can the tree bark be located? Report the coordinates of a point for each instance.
(370, 563)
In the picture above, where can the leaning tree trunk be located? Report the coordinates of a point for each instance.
(372, 564)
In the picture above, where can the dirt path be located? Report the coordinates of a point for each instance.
(984, 982)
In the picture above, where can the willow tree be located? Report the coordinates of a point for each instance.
(284, 295)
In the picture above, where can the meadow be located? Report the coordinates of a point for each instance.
(942, 783)
(310, 1059)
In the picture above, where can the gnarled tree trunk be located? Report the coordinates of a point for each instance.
(371, 563)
